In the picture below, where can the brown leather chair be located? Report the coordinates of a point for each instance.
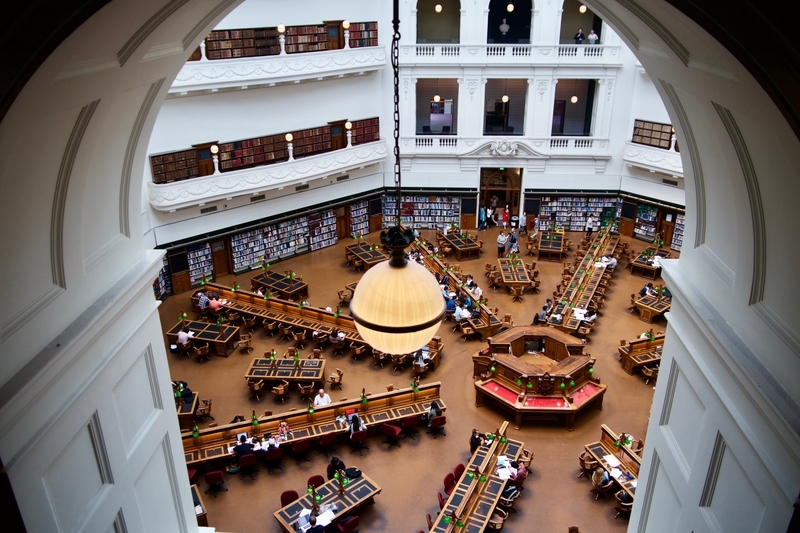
(299, 339)
(344, 298)
(256, 387)
(588, 464)
(357, 351)
(245, 343)
(249, 324)
(306, 393)
(316, 353)
(336, 379)
(270, 327)
(281, 390)
(203, 412)
(201, 352)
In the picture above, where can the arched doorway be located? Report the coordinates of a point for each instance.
(509, 27)
(501, 186)
(438, 21)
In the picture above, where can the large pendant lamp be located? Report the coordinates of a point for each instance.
(397, 306)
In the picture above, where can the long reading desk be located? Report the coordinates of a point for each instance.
(652, 306)
(221, 339)
(284, 285)
(307, 370)
(617, 459)
(641, 352)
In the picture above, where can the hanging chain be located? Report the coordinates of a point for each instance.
(396, 70)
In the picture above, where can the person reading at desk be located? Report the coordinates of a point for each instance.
(470, 281)
(184, 336)
(202, 300)
(647, 290)
(589, 317)
(313, 527)
(476, 292)
(243, 448)
(421, 358)
(540, 317)
(518, 471)
(461, 313)
(624, 497)
(334, 466)
(284, 431)
(600, 477)
(355, 424)
(322, 398)
(434, 411)
(450, 306)
(215, 305)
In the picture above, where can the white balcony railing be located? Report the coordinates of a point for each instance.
(653, 159)
(527, 54)
(510, 146)
(196, 191)
(205, 75)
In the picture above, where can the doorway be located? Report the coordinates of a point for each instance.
(504, 185)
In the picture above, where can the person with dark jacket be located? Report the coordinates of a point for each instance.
(475, 441)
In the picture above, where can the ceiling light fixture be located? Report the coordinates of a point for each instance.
(438, 8)
(436, 97)
(582, 9)
(397, 306)
(505, 93)
(574, 98)
(510, 7)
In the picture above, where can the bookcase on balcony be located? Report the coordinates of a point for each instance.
(306, 38)
(312, 141)
(322, 229)
(247, 153)
(251, 42)
(422, 211)
(174, 166)
(366, 130)
(359, 218)
(363, 34)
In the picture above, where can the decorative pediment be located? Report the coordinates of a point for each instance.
(504, 148)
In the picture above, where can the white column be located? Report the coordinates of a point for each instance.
(408, 107)
(470, 105)
(542, 93)
(601, 121)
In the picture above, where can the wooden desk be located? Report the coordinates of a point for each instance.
(513, 272)
(310, 370)
(281, 285)
(186, 410)
(357, 493)
(197, 499)
(640, 352)
(551, 244)
(287, 313)
(584, 283)
(370, 257)
(630, 462)
(221, 339)
(213, 444)
(639, 266)
(473, 501)
(463, 247)
(651, 306)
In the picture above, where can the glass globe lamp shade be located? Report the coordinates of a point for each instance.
(582, 9)
(397, 309)
(346, 24)
(438, 8)
(348, 126)
(214, 149)
(574, 99)
(510, 7)
(281, 28)
(504, 98)
(289, 137)
(436, 97)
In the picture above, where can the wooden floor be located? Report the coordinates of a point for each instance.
(410, 476)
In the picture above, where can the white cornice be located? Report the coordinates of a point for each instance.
(201, 76)
(206, 189)
(655, 159)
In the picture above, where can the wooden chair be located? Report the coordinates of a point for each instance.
(379, 358)
(245, 342)
(621, 507)
(299, 338)
(338, 347)
(203, 411)
(335, 380)
(232, 317)
(357, 351)
(249, 324)
(201, 352)
(186, 349)
(270, 327)
(316, 353)
(602, 490)
(516, 294)
(255, 388)
(497, 520)
(344, 298)
(281, 390)
(494, 281)
(527, 458)
(507, 321)
(306, 393)
(632, 308)
(419, 370)
(535, 286)
(398, 363)
(588, 464)
(358, 265)
(466, 331)
(480, 246)
(286, 333)
(637, 447)
(489, 268)
(650, 372)
(574, 529)
(291, 353)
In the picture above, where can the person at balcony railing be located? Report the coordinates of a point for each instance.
(579, 37)
(593, 37)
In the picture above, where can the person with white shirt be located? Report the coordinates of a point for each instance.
(501, 244)
(460, 313)
(322, 398)
(184, 336)
(476, 292)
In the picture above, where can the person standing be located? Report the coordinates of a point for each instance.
(579, 37)
(475, 440)
(482, 219)
(506, 217)
(501, 244)
(523, 223)
(589, 226)
(593, 37)
(512, 242)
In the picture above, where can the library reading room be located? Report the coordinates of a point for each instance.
(444, 266)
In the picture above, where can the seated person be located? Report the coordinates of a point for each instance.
(466, 303)
(518, 471)
(624, 497)
(256, 290)
(445, 292)
(591, 316)
(355, 424)
(215, 305)
(476, 312)
(450, 306)
(184, 336)
(475, 441)
(334, 466)
(600, 477)
(611, 261)
(469, 281)
(243, 448)
(647, 290)
(548, 305)
(422, 357)
(579, 312)
(477, 292)
(665, 293)
(445, 280)
(434, 411)
(322, 398)
(461, 313)
(202, 300)
(270, 442)
(540, 317)
(313, 526)
(655, 261)
(284, 432)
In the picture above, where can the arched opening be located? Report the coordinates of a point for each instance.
(438, 21)
(509, 22)
(576, 18)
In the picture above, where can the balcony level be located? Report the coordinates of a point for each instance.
(198, 77)
(530, 55)
(176, 195)
(653, 159)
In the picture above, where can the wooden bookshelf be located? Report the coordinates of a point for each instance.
(322, 229)
(569, 212)
(306, 39)
(367, 130)
(251, 42)
(200, 263)
(247, 153)
(174, 166)
(422, 211)
(162, 286)
(363, 34)
(286, 239)
(677, 235)
(312, 141)
(247, 250)
(645, 224)
(359, 218)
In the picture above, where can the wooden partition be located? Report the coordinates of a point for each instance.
(641, 352)
(213, 443)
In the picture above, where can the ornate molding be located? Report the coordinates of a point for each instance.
(504, 148)
(653, 158)
(218, 74)
(181, 194)
(472, 86)
(541, 86)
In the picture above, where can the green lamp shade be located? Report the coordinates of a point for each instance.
(571, 383)
(336, 475)
(483, 479)
(493, 368)
(345, 481)
(519, 382)
(591, 370)
(309, 490)
(470, 475)
(447, 519)
(616, 443)
(318, 498)
(563, 385)
(530, 385)
(503, 440)
(311, 411)
(459, 524)
(364, 400)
